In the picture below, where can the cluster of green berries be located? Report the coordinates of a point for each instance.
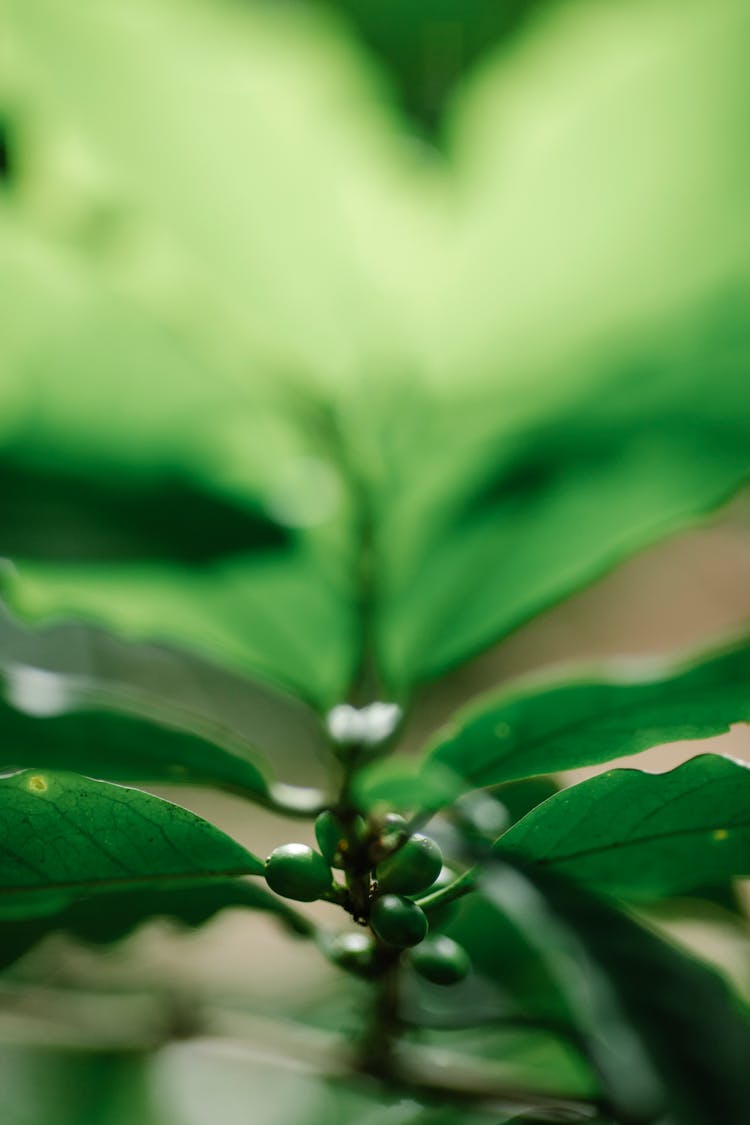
(404, 866)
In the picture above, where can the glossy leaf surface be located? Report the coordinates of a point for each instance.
(544, 728)
(115, 737)
(644, 836)
(53, 721)
(66, 837)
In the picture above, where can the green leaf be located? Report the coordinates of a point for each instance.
(109, 916)
(534, 458)
(644, 836)
(590, 334)
(58, 724)
(276, 619)
(66, 837)
(170, 537)
(290, 129)
(73, 516)
(541, 728)
(520, 797)
(544, 726)
(52, 721)
(664, 1032)
(407, 39)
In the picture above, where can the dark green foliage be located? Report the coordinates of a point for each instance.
(544, 728)
(108, 917)
(48, 513)
(427, 47)
(662, 1030)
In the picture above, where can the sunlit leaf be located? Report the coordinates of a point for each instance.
(300, 195)
(166, 538)
(589, 330)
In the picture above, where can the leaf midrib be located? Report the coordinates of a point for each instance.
(111, 882)
(618, 844)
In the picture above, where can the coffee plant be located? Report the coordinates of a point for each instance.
(332, 355)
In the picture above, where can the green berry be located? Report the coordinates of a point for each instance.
(352, 951)
(398, 921)
(332, 838)
(296, 871)
(441, 960)
(413, 868)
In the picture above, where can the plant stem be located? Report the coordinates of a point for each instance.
(459, 887)
(378, 1046)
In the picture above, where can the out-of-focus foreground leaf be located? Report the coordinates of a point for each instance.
(664, 1033)
(643, 836)
(141, 499)
(589, 330)
(190, 1083)
(428, 46)
(535, 355)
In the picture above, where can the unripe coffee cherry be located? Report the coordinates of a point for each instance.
(413, 868)
(352, 951)
(296, 871)
(441, 960)
(332, 837)
(398, 921)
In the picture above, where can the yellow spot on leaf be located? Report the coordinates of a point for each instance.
(720, 834)
(38, 784)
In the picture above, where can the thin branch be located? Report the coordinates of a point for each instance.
(464, 885)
